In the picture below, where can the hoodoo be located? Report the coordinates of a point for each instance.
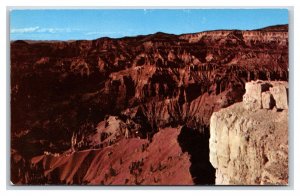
(80, 109)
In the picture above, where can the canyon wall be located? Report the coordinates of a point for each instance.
(72, 96)
(249, 140)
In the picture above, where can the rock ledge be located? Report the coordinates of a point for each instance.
(249, 140)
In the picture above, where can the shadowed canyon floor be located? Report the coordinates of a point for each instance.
(133, 110)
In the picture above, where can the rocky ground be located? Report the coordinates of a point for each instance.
(133, 110)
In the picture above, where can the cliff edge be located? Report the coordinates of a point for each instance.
(88, 98)
(249, 140)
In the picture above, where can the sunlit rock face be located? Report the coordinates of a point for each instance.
(68, 97)
(249, 140)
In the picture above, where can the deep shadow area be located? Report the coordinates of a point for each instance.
(196, 143)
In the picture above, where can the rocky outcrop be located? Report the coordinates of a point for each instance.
(266, 95)
(129, 162)
(249, 140)
(70, 96)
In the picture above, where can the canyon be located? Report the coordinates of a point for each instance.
(137, 110)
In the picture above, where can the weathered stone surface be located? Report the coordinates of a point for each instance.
(250, 147)
(279, 93)
(264, 94)
(94, 94)
(267, 100)
(252, 97)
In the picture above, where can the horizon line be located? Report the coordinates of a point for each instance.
(133, 36)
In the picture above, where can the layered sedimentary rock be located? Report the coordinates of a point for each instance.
(129, 162)
(80, 95)
(249, 140)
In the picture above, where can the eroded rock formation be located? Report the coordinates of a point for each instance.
(249, 140)
(67, 97)
(129, 162)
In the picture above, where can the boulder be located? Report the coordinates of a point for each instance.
(280, 95)
(252, 97)
(265, 94)
(267, 100)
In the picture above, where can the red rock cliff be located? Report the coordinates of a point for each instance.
(64, 94)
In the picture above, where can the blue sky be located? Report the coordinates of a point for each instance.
(92, 24)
